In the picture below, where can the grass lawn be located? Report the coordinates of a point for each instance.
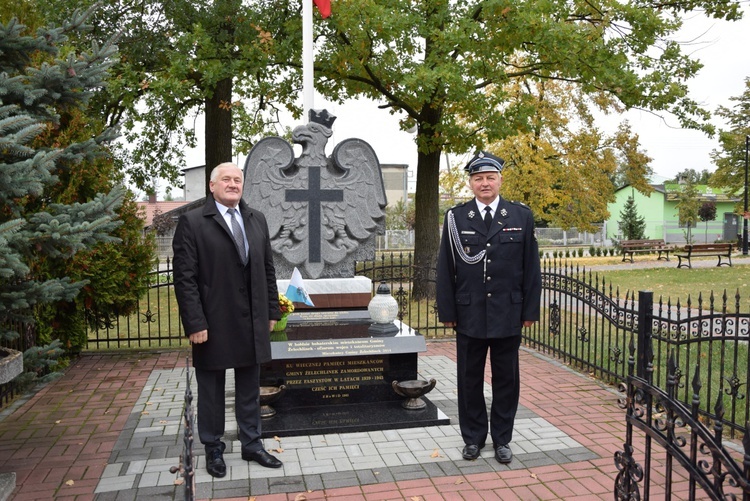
(674, 283)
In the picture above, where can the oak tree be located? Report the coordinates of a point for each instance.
(450, 68)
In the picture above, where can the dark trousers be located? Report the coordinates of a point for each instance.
(212, 407)
(472, 408)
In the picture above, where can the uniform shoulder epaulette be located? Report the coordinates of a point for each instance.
(461, 204)
(520, 204)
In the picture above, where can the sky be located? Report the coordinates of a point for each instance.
(722, 47)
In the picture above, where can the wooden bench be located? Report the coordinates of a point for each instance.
(692, 250)
(640, 246)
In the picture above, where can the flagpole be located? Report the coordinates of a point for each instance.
(308, 88)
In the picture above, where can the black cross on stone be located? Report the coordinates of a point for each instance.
(314, 196)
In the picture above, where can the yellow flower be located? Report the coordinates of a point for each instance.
(285, 305)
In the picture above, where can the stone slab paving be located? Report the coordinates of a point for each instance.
(110, 429)
(151, 443)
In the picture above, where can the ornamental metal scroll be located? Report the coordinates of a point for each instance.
(667, 421)
(186, 468)
(714, 326)
(622, 313)
(701, 320)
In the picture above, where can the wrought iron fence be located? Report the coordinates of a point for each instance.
(665, 421)
(25, 340)
(586, 322)
(155, 325)
(186, 468)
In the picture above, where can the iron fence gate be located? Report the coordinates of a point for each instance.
(694, 455)
(586, 322)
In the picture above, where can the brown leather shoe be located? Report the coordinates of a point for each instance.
(503, 454)
(263, 458)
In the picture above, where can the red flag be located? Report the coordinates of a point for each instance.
(324, 6)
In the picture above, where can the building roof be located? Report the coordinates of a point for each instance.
(705, 193)
(147, 210)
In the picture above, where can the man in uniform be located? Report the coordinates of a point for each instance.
(488, 288)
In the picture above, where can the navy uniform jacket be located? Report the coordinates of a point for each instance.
(491, 298)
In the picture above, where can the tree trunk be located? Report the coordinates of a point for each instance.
(426, 225)
(218, 133)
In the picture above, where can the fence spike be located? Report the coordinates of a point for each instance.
(696, 390)
(671, 370)
(719, 411)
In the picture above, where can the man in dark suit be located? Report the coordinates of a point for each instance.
(225, 284)
(488, 288)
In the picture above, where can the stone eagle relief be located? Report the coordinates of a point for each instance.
(323, 212)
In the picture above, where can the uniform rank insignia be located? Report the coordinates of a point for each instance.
(503, 212)
(512, 229)
(471, 214)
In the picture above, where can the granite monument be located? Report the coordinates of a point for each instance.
(323, 212)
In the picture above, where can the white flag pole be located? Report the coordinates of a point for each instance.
(308, 88)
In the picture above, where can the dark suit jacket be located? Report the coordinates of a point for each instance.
(215, 291)
(492, 298)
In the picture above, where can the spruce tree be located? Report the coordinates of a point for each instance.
(632, 226)
(42, 77)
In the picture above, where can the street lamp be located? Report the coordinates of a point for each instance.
(745, 215)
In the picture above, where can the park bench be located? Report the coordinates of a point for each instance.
(692, 250)
(642, 246)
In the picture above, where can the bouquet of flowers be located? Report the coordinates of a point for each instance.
(286, 306)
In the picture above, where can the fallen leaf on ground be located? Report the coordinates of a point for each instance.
(278, 449)
(179, 481)
(459, 482)
(69, 482)
(435, 454)
(300, 497)
(533, 475)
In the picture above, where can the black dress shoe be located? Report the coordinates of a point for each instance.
(503, 454)
(263, 458)
(471, 451)
(215, 464)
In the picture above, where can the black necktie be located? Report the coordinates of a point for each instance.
(488, 216)
(239, 239)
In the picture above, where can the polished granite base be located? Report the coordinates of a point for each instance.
(295, 421)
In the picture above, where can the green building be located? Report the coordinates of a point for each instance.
(659, 210)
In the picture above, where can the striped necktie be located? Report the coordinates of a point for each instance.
(239, 239)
